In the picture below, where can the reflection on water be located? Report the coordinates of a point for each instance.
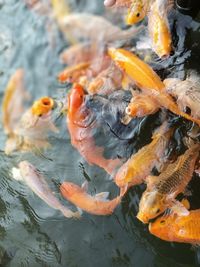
(33, 234)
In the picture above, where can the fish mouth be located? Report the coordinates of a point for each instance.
(142, 218)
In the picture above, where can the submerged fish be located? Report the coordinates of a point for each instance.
(146, 79)
(95, 28)
(187, 93)
(13, 101)
(162, 190)
(159, 28)
(98, 204)
(32, 129)
(38, 184)
(139, 166)
(176, 228)
(142, 105)
(80, 126)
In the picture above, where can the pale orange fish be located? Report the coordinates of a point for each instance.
(159, 30)
(80, 129)
(139, 166)
(98, 204)
(32, 129)
(162, 190)
(176, 228)
(146, 79)
(96, 28)
(187, 93)
(13, 101)
(38, 184)
(142, 105)
(75, 54)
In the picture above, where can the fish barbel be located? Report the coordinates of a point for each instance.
(139, 166)
(98, 204)
(38, 184)
(162, 190)
(146, 79)
(176, 228)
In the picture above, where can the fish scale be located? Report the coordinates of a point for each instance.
(179, 178)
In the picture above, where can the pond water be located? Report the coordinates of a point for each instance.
(32, 233)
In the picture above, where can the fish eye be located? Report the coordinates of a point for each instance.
(137, 15)
(162, 222)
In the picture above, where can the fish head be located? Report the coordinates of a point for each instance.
(75, 98)
(164, 227)
(151, 205)
(42, 106)
(26, 168)
(70, 189)
(136, 12)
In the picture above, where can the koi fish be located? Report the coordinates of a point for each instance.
(80, 128)
(146, 79)
(162, 190)
(96, 28)
(32, 129)
(139, 166)
(187, 93)
(78, 53)
(142, 105)
(159, 29)
(73, 73)
(107, 81)
(14, 97)
(176, 228)
(38, 184)
(98, 204)
(137, 11)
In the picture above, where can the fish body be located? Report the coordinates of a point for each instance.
(95, 28)
(187, 93)
(159, 29)
(80, 128)
(162, 190)
(175, 228)
(146, 79)
(13, 101)
(139, 166)
(97, 205)
(40, 187)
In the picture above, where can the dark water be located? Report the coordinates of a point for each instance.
(33, 234)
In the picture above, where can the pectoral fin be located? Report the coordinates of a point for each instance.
(179, 209)
(16, 174)
(102, 196)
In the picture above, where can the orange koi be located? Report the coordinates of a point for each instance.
(146, 79)
(98, 204)
(159, 29)
(176, 228)
(73, 73)
(81, 131)
(139, 166)
(162, 190)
